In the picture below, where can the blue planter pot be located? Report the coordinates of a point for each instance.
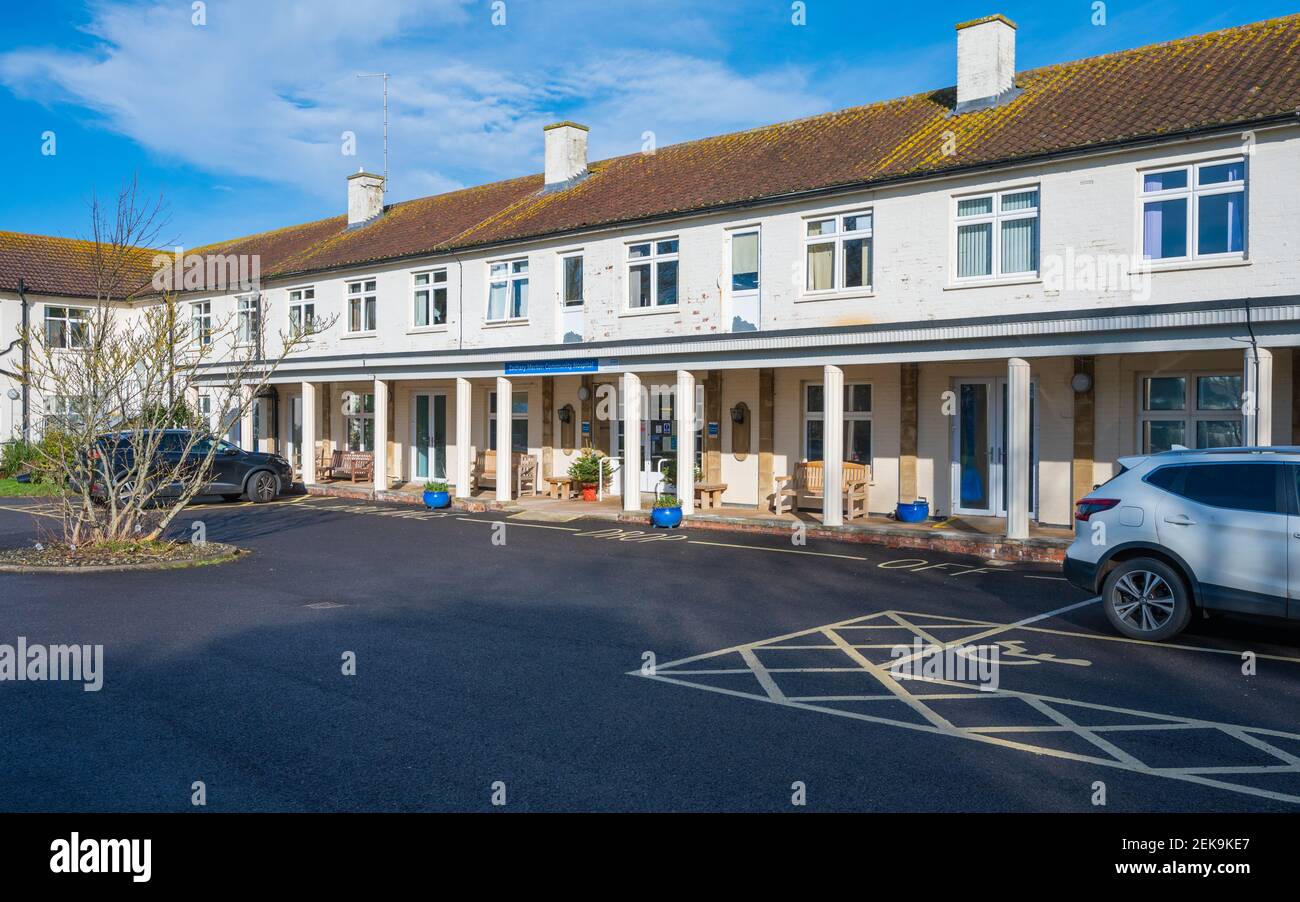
(666, 517)
(915, 512)
(435, 500)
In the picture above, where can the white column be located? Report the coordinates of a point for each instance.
(1257, 395)
(631, 442)
(464, 402)
(1017, 467)
(381, 435)
(504, 442)
(246, 401)
(685, 401)
(308, 449)
(832, 446)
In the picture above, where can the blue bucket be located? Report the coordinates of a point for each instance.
(917, 511)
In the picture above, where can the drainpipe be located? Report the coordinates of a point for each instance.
(27, 416)
(1253, 389)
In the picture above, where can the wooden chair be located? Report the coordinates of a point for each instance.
(359, 465)
(805, 488)
(523, 466)
(327, 463)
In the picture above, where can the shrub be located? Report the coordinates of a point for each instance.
(16, 457)
(667, 501)
(435, 486)
(590, 468)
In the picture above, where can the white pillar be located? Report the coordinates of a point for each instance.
(464, 401)
(686, 441)
(631, 442)
(308, 449)
(832, 446)
(381, 435)
(246, 401)
(504, 443)
(1257, 397)
(1017, 466)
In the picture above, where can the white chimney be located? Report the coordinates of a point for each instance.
(566, 152)
(986, 62)
(365, 197)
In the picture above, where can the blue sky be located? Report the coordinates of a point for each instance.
(238, 122)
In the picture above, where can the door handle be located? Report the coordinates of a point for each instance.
(1181, 520)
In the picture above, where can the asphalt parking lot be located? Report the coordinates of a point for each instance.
(561, 666)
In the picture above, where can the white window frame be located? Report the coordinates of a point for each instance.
(563, 282)
(1190, 415)
(653, 259)
(69, 316)
(356, 410)
(837, 237)
(508, 279)
(302, 310)
(996, 218)
(515, 417)
(820, 415)
(436, 279)
(201, 322)
(732, 235)
(364, 295)
(1193, 192)
(248, 319)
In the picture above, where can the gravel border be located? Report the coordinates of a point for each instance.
(212, 553)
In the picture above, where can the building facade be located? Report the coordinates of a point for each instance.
(988, 295)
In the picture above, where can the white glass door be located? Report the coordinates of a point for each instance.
(979, 449)
(429, 439)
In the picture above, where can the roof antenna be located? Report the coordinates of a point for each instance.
(384, 76)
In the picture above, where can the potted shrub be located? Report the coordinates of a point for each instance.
(436, 495)
(590, 469)
(667, 512)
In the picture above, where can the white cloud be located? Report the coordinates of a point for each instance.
(265, 90)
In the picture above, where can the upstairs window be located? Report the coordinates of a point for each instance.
(67, 327)
(837, 252)
(571, 280)
(652, 274)
(363, 303)
(430, 298)
(1194, 211)
(508, 290)
(997, 234)
(744, 261)
(248, 320)
(201, 323)
(302, 311)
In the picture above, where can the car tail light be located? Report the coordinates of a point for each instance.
(1089, 506)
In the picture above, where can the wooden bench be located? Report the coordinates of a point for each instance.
(805, 488)
(709, 494)
(524, 472)
(359, 465)
(560, 487)
(326, 463)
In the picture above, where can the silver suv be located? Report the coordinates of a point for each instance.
(1215, 529)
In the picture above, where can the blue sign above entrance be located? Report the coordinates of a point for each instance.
(552, 367)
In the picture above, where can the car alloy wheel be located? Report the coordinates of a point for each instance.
(263, 488)
(1143, 600)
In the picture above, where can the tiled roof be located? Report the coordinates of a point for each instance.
(68, 267)
(1227, 78)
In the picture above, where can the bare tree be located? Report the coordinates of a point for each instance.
(114, 377)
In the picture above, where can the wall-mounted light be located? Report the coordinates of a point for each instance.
(566, 414)
(584, 393)
(1081, 382)
(738, 413)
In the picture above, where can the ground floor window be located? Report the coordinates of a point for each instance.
(359, 418)
(857, 422)
(518, 421)
(1195, 410)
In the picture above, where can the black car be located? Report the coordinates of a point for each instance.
(233, 473)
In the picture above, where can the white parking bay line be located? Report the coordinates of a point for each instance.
(1068, 607)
